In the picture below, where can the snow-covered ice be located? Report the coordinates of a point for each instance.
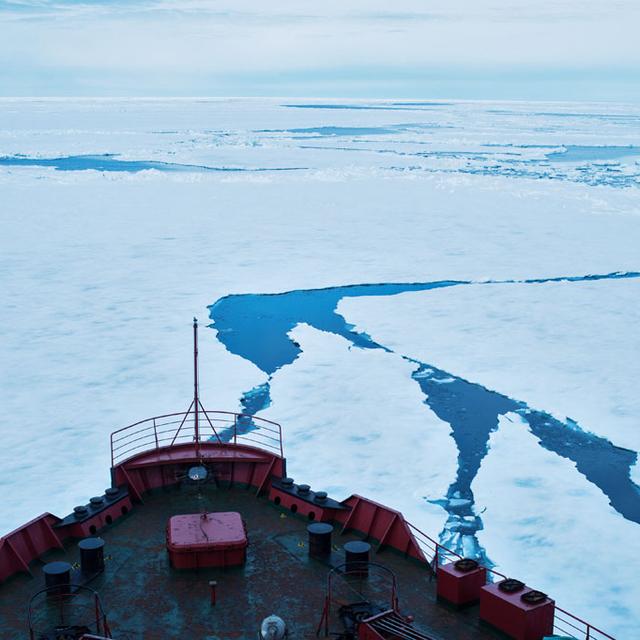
(563, 347)
(101, 273)
(546, 522)
(347, 433)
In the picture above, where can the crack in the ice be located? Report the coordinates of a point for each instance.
(110, 162)
(257, 326)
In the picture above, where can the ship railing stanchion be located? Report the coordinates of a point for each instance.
(97, 606)
(155, 433)
(394, 595)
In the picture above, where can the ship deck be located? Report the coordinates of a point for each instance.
(145, 598)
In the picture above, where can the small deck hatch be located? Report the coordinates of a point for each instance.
(206, 540)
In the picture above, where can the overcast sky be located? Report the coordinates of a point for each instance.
(514, 49)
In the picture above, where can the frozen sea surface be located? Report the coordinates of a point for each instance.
(573, 153)
(257, 328)
(511, 390)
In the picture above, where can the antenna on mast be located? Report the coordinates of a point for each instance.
(196, 399)
(196, 405)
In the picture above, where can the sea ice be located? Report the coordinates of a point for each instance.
(561, 347)
(353, 425)
(102, 272)
(547, 525)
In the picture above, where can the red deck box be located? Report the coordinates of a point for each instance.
(206, 540)
(460, 588)
(519, 620)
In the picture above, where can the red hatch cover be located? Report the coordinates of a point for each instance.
(206, 540)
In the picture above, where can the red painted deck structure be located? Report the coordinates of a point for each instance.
(206, 540)
(244, 455)
(511, 615)
(460, 588)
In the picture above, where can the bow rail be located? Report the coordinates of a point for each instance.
(223, 427)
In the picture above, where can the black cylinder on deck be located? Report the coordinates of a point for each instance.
(80, 512)
(356, 556)
(57, 577)
(319, 539)
(96, 501)
(91, 555)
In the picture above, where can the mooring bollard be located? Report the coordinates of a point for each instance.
(212, 585)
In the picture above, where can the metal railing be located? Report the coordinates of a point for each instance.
(224, 427)
(567, 624)
(564, 623)
(65, 607)
(241, 428)
(434, 553)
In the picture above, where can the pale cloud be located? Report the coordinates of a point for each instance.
(198, 39)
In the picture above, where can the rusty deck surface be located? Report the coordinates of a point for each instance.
(146, 599)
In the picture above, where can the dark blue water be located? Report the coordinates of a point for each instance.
(473, 413)
(393, 106)
(339, 107)
(111, 162)
(335, 131)
(588, 154)
(594, 166)
(423, 104)
(255, 327)
(251, 401)
(613, 117)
